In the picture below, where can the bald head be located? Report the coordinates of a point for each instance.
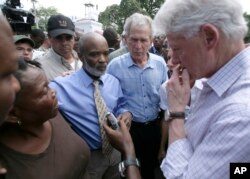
(90, 40)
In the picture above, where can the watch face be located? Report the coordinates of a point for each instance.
(122, 169)
(166, 115)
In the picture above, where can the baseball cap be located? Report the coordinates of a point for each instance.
(23, 38)
(60, 24)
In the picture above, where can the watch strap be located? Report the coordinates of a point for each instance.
(174, 115)
(124, 164)
(177, 115)
(131, 162)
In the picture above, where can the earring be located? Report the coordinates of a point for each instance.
(19, 122)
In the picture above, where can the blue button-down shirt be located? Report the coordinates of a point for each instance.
(140, 86)
(76, 102)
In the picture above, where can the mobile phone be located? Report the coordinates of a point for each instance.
(112, 121)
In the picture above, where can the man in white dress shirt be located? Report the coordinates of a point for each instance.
(207, 42)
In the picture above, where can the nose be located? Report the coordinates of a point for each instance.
(15, 84)
(138, 44)
(103, 58)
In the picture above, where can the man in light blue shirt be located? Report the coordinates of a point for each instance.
(77, 104)
(141, 75)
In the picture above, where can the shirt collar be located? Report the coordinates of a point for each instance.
(223, 79)
(131, 63)
(87, 80)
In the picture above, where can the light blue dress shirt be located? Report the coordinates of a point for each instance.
(218, 126)
(76, 102)
(140, 86)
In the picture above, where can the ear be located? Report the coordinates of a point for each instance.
(82, 58)
(210, 35)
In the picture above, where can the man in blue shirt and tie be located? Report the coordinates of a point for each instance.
(77, 104)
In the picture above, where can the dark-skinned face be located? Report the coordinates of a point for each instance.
(95, 58)
(36, 101)
(8, 58)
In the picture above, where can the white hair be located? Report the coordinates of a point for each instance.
(186, 17)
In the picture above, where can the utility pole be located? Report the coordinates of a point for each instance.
(34, 9)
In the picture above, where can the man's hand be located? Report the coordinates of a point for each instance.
(178, 90)
(178, 95)
(126, 117)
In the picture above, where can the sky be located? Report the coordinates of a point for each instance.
(73, 7)
(76, 8)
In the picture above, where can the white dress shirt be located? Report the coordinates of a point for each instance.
(218, 126)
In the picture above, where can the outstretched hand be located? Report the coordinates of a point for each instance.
(127, 118)
(121, 138)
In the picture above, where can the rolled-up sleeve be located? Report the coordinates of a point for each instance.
(176, 161)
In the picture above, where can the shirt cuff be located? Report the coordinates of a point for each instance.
(176, 161)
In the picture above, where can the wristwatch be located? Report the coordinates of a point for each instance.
(173, 115)
(124, 164)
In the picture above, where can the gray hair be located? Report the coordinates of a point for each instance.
(186, 16)
(85, 39)
(137, 20)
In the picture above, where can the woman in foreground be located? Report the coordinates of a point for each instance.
(35, 139)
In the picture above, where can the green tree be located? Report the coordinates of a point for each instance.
(116, 15)
(109, 17)
(43, 15)
(247, 17)
(127, 8)
(151, 6)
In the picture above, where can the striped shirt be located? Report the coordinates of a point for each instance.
(140, 86)
(218, 126)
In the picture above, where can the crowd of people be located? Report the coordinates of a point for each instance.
(177, 86)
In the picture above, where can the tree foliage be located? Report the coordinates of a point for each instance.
(116, 15)
(110, 16)
(43, 15)
(151, 6)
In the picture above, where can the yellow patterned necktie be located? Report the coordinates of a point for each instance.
(102, 111)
